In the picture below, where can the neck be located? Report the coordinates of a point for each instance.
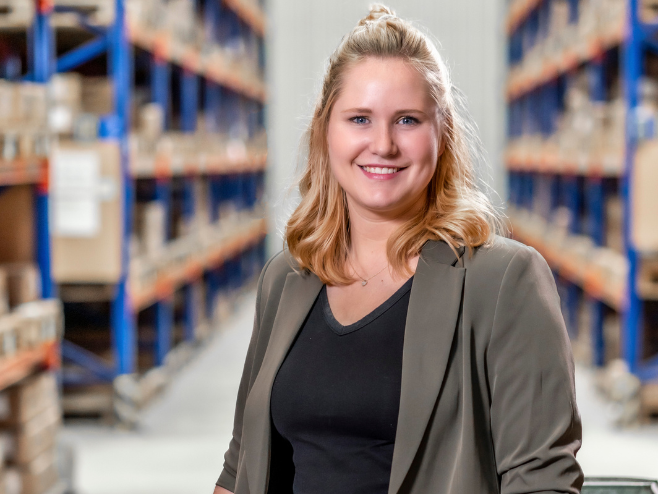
(369, 234)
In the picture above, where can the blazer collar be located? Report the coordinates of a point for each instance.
(434, 306)
(432, 317)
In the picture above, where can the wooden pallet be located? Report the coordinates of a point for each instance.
(89, 402)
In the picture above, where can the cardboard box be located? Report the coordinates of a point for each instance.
(12, 481)
(27, 335)
(66, 89)
(644, 200)
(27, 399)
(46, 316)
(4, 292)
(17, 224)
(150, 226)
(151, 121)
(32, 101)
(647, 280)
(65, 92)
(40, 474)
(10, 325)
(99, 12)
(16, 14)
(97, 95)
(8, 117)
(27, 441)
(87, 214)
(23, 282)
(614, 220)
(5, 446)
(648, 10)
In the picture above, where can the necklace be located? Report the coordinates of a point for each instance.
(365, 281)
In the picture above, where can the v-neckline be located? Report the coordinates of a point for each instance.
(340, 329)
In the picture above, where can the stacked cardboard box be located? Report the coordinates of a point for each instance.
(16, 13)
(236, 54)
(648, 10)
(589, 135)
(87, 211)
(97, 95)
(648, 279)
(22, 281)
(29, 326)
(65, 92)
(4, 293)
(614, 220)
(645, 199)
(23, 121)
(99, 12)
(30, 418)
(212, 151)
(77, 103)
(19, 284)
(150, 229)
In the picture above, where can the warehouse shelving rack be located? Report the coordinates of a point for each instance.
(34, 172)
(231, 262)
(580, 183)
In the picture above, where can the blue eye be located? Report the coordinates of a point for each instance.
(408, 120)
(359, 120)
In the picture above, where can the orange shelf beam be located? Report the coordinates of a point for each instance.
(26, 362)
(587, 276)
(18, 172)
(570, 58)
(250, 12)
(519, 11)
(165, 285)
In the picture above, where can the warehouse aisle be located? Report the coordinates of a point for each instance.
(179, 446)
(181, 440)
(609, 451)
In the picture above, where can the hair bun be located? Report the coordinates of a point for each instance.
(377, 11)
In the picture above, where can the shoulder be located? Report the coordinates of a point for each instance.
(505, 263)
(274, 273)
(498, 255)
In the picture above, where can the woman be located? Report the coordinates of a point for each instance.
(399, 344)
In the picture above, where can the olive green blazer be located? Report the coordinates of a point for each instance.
(487, 400)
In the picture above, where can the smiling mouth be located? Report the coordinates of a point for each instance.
(380, 170)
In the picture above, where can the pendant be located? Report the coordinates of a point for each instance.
(364, 283)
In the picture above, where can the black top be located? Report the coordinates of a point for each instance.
(335, 402)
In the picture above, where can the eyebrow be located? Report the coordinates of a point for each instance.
(367, 110)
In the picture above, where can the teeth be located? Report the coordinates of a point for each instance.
(380, 171)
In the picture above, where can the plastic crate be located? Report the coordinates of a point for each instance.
(619, 486)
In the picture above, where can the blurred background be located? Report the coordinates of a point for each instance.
(147, 154)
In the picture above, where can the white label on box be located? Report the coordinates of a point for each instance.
(75, 181)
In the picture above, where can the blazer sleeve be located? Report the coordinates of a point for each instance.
(228, 475)
(535, 422)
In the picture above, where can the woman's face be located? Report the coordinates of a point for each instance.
(383, 137)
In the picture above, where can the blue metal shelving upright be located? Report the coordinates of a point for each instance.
(534, 111)
(41, 46)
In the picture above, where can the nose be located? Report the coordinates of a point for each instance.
(383, 141)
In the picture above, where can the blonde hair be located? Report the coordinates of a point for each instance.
(456, 211)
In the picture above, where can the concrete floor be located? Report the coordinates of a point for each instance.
(179, 445)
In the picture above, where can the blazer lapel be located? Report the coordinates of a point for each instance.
(434, 307)
(299, 293)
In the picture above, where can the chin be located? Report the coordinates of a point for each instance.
(383, 206)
